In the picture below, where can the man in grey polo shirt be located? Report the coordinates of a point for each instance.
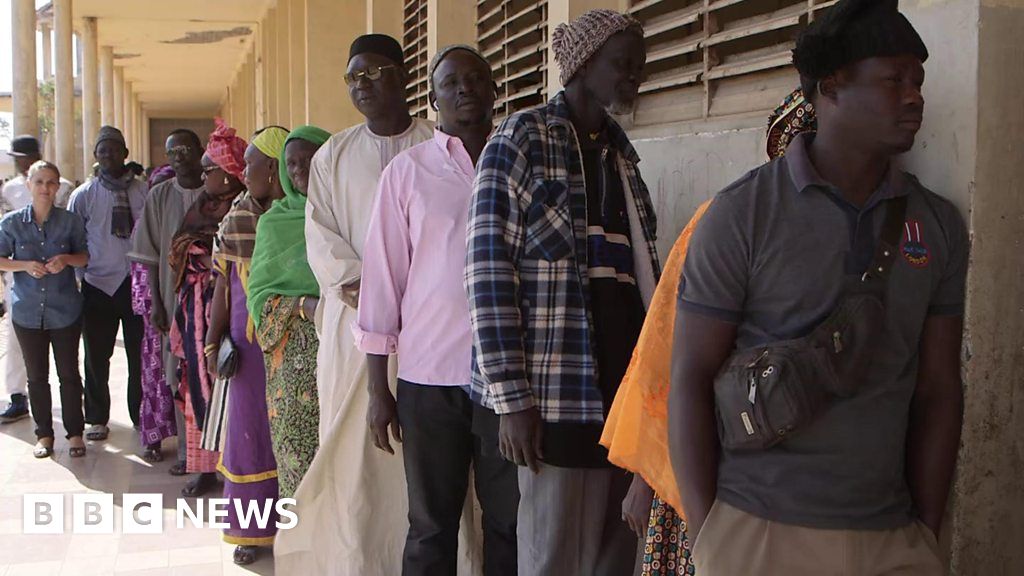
(862, 489)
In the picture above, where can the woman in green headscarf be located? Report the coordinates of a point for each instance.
(247, 456)
(283, 295)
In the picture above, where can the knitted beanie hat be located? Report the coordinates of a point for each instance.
(575, 42)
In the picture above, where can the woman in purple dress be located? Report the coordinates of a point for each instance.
(156, 414)
(247, 457)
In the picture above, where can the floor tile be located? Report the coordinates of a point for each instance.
(134, 561)
(35, 569)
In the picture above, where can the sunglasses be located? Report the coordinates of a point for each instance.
(182, 150)
(208, 169)
(373, 73)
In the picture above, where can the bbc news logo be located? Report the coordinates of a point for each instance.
(144, 513)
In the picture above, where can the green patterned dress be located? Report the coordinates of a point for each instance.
(289, 349)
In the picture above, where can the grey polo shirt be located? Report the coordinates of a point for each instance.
(772, 254)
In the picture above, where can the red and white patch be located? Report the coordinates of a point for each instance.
(913, 248)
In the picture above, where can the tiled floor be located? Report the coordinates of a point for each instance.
(113, 466)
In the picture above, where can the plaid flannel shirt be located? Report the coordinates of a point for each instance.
(526, 268)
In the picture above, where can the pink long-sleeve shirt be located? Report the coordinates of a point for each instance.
(412, 300)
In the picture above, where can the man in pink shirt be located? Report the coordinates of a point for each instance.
(413, 303)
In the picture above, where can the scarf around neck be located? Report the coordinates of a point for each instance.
(121, 220)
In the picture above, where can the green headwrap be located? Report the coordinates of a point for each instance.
(279, 264)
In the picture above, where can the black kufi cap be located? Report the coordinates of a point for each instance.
(24, 145)
(380, 44)
(855, 30)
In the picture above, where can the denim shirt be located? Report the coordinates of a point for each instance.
(53, 301)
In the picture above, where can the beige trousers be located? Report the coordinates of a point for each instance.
(734, 543)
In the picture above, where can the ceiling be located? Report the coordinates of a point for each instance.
(181, 55)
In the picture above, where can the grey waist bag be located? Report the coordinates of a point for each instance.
(767, 393)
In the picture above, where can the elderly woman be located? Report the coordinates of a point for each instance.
(192, 263)
(247, 457)
(283, 294)
(40, 244)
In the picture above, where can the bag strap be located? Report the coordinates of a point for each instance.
(888, 242)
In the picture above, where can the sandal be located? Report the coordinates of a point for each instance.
(153, 454)
(179, 469)
(199, 485)
(44, 448)
(77, 449)
(97, 432)
(245, 555)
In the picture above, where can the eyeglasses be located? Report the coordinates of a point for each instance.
(373, 73)
(182, 150)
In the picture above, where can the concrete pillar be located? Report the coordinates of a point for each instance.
(107, 85)
(90, 85)
(118, 97)
(448, 22)
(259, 57)
(297, 62)
(248, 90)
(23, 52)
(270, 52)
(138, 148)
(126, 114)
(46, 31)
(282, 78)
(147, 160)
(385, 17)
(988, 508)
(64, 93)
(331, 26)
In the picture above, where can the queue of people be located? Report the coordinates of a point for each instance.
(452, 345)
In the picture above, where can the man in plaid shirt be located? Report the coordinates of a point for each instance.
(561, 265)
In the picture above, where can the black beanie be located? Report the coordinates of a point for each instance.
(380, 44)
(855, 30)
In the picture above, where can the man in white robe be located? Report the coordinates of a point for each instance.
(352, 505)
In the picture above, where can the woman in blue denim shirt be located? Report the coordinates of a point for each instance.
(40, 244)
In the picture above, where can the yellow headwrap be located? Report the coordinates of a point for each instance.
(270, 141)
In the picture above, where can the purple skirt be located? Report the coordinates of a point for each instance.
(247, 459)
(156, 414)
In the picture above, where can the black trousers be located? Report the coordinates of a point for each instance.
(35, 347)
(438, 447)
(100, 319)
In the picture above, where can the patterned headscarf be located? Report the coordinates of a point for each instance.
(575, 42)
(159, 175)
(226, 149)
(794, 116)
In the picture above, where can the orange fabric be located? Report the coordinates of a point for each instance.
(636, 432)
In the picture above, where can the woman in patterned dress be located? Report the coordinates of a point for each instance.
(191, 261)
(283, 295)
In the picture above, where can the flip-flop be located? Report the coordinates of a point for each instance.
(77, 451)
(42, 450)
(244, 555)
(199, 485)
(97, 432)
(179, 469)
